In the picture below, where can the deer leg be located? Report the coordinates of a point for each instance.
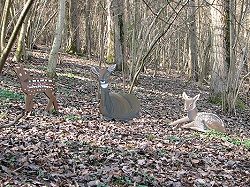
(55, 103)
(195, 126)
(188, 125)
(28, 102)
(182, 120)
(52, 100)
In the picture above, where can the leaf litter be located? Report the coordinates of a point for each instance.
(76, 147)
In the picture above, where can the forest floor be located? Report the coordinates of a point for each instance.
(76, 147)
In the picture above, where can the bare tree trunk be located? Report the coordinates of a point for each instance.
(101, 38)
(233, 79)
(193, 62)
(74, 44)
(4, 24)
(120, 36)
(20, 51)
(219, 52)
(13, 36)
(110, 34)
(53, 57)
(1, 9)
(88, 27)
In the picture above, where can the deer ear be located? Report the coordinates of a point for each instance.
(197, 97)
(95, 70)
(184, 95)
(111, 68)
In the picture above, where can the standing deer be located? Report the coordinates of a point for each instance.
(33, 85)
(119, 106)
(200, 121)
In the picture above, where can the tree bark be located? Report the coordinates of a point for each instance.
(193, 60)
(4, 24)
(110, 32)
(53, 57)
(120, 36)
(88, 28)
(219, 52)
(74, 44)
(13, 36)
(232, 84)
(20, 51)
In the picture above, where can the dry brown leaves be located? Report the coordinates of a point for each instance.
(76, 147)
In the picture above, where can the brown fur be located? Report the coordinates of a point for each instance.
(33, 85)
(119, 106)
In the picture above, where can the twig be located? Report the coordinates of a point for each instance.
(14, 122)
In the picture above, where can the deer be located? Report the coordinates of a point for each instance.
(118, 106)
(200, 121)
(31, 85)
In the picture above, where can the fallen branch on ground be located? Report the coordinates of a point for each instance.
(14, 122)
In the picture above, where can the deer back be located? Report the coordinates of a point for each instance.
(33, 84)
(210, 121)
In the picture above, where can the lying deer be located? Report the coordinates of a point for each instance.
(200, 121)
(119, 106)
(33, 85)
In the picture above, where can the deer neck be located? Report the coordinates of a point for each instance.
(192, 114)
(106, 102)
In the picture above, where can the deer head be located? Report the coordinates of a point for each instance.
(190, 103)
(33, 85)
(104, 74)
(118, 106)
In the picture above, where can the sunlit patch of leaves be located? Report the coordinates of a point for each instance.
(70, 75)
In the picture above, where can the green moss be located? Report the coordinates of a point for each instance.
(5, 94)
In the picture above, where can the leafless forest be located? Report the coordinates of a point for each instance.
(161, 49)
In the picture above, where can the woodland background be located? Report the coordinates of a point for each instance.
(161, 49)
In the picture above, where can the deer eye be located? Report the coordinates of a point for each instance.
(191, 104)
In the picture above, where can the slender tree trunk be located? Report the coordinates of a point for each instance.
(134, 41)
(13, 36)
(53, 57)
(193, 60)
(1, 9)
(88, 27)
(110, 32)
(4, 24)
(20, 51)
(101, 38)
